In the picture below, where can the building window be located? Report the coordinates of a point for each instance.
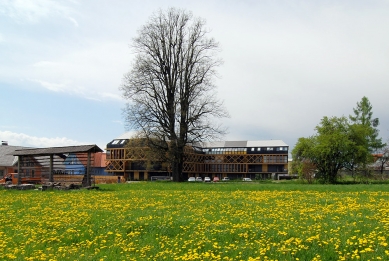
(269, 149)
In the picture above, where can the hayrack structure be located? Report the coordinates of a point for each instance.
(42, 164)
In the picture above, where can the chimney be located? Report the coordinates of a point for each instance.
(4, 143)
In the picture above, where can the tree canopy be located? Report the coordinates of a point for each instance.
(340, 142)
(170, 91)
(363, 116)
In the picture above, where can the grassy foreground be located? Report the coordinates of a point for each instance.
(197, 221)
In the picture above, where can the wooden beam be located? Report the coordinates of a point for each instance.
(88, 178)
(20, 158)
(51, 176)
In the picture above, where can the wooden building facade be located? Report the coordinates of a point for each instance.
(233, 159)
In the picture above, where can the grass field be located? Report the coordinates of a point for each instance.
(197, 221)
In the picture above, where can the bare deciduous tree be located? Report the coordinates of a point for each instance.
(170, 91)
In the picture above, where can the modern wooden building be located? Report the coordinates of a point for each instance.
(233, 159)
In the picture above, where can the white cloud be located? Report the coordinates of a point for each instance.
(26, 11)
(56, 87)
(44, 64)
(93, 72)
(21, 139)
(110, 95)
(74, 21)
(73, 89)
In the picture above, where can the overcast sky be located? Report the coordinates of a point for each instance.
(286, 65)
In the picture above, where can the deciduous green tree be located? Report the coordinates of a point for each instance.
(341, 143)
(327, 150)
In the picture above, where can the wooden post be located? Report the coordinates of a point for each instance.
(20, 158)
(51, 176)
(88, 179)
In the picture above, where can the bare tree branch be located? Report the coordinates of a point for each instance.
(170, 90)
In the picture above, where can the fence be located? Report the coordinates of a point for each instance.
(68, 179)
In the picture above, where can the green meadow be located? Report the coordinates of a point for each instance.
(197, 221)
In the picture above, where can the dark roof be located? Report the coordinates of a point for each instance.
(6, 154)
(117, 143)
(57, 150)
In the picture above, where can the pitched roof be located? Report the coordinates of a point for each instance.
(6, 156)
(57, 150)
(117, 143)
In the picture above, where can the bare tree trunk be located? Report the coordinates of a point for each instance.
(170, 87)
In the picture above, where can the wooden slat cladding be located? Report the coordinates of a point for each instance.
(197, 162)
